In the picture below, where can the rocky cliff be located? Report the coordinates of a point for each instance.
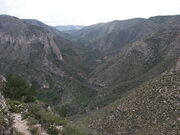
(6, 120)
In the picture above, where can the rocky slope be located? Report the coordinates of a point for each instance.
(6, 121)
(153, 108)
(136, 63)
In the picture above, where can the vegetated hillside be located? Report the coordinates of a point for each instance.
(152, 108)
(21, 113)
(136, 63)
(91, 67)
(111, 37)
(46, 59)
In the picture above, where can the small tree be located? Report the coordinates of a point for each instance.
(17, 88)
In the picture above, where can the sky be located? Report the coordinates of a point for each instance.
(87, 12)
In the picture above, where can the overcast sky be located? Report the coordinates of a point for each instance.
(86, 12)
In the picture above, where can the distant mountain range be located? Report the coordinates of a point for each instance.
(128, 67)
(68, 27)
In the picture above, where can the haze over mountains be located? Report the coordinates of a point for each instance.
(68, 27)
(128, 67)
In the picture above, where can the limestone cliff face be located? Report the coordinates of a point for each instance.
(26, 47)
(23, 35)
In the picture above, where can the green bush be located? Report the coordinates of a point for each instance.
(2, 119)
(16, 132)
(35, 130)
(71, 130)
(53, 131)
(42, 114)
(64, 110)
(68, 109)
(25, 115)
(16, 106)
(32, 121)
(17, 88)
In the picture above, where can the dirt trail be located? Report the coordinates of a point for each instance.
(20, 125)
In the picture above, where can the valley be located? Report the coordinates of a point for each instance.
(120, 77)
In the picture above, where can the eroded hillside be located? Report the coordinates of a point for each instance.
(152, 108)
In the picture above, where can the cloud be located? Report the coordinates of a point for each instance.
(54, 12)
(4, 7)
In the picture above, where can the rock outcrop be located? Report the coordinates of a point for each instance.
(6, 121)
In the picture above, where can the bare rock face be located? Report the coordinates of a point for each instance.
(2, 79)
(3, 103)
(23, 35)
(6, 127)
(5, 118)
(178, 65)
(29, 49)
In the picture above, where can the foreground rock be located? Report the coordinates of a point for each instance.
(6, 122)
(21, 125)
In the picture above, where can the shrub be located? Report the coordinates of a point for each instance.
(17, 88)
(32, 121)
(16, 106)
(25, 115)
(40, 113)
(53, 131)
(16, 132)
(2, 119)
(63, 110)
(71, 130)
(35, 130)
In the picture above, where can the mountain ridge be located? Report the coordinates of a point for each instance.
(90, 69)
